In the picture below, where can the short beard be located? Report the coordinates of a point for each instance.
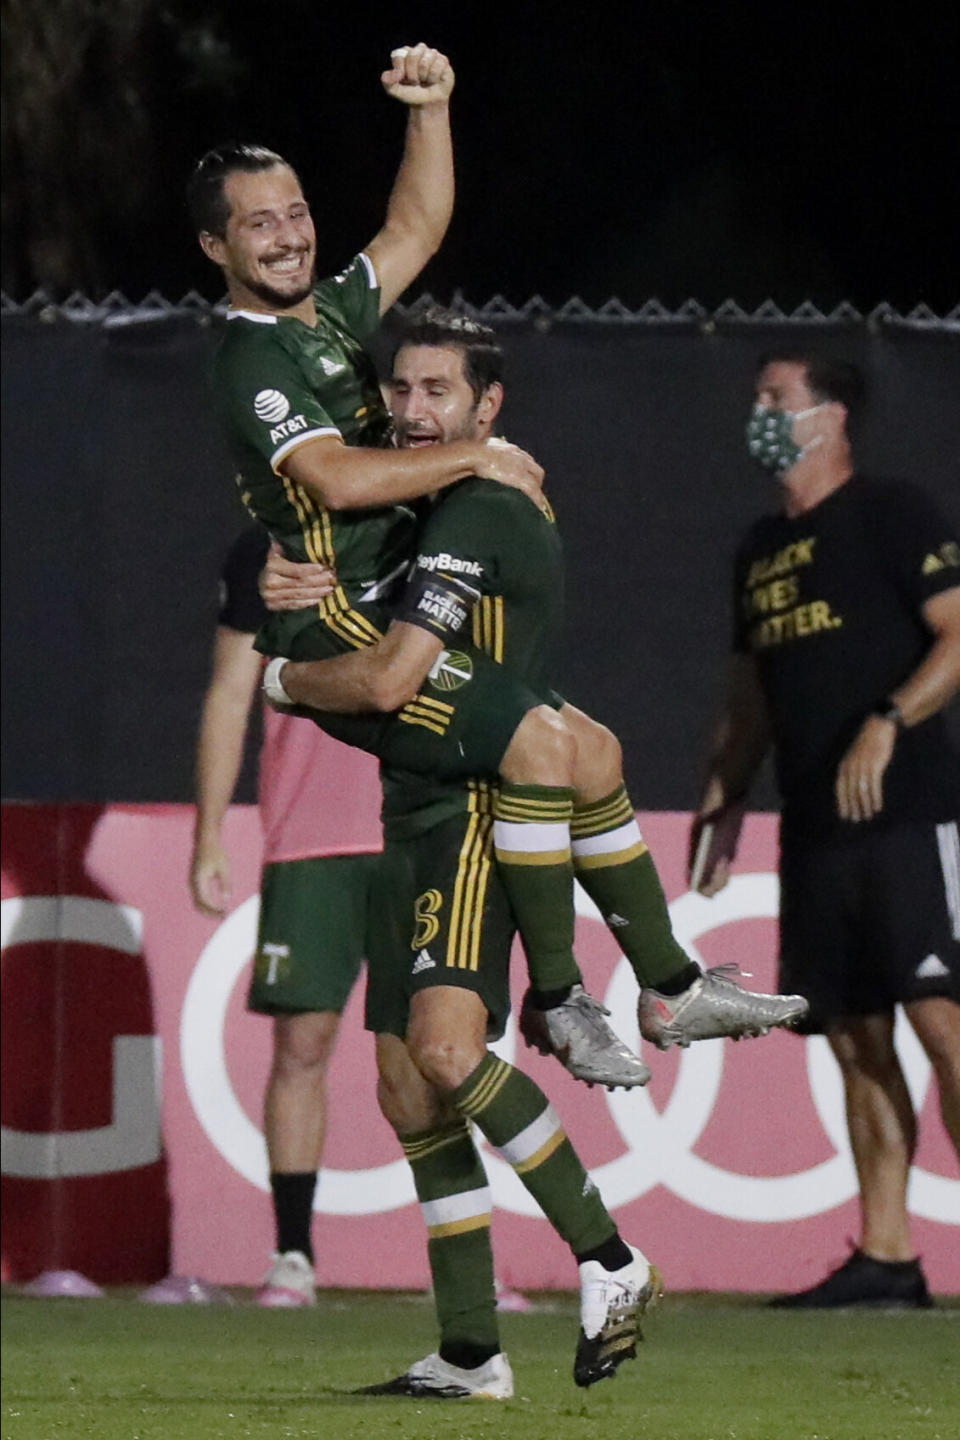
(277, 299)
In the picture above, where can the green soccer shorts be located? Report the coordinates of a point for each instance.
(457, 727)
(442, 919)
(313, 933)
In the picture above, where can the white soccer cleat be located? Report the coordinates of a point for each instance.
(288, 1283)
(612, 1304)
(712, 1008)
(435, 1377)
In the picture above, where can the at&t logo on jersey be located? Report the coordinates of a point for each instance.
(271, 405)
(288, 428)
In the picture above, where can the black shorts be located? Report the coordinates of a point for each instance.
(871, 920)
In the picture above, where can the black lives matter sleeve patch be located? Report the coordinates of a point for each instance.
(441, 604)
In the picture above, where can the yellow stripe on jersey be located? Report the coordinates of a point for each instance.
(353, 627)
(316, 529)
(470, 893)
(488, 626)
(314, 524)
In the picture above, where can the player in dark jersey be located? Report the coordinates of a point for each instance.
(308, 428)
(446, 385)
(295, 385)
(847, 646)
(446, 990)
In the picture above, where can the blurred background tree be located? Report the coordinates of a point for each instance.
(86, 87)
(791, 157)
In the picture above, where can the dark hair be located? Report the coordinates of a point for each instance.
(829, 377)
(482, 355)
(206, 201)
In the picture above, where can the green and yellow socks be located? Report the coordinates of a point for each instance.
(531, 836)
(516, 1117)
(454, 1198)
(617, 871)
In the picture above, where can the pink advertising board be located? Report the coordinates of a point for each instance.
(133, 1082)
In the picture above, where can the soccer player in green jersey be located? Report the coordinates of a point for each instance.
(439, 987)
(295, 385)
(309, 431)
(446, 387)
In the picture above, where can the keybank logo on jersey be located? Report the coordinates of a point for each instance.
(271, 405)
(452, 564)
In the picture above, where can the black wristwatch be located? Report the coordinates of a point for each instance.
(888, 709)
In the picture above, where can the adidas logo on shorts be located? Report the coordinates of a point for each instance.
(423, 962)
(931, 968)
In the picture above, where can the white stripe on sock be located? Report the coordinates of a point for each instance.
(533, 1138)
(450, 1208)
(530, 839)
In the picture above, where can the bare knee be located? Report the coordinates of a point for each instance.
(447, 1035)
(303, 1045)
(864, 1048)
(937, 1025)
(407, 1101)
(599, 760)
(443, 1059)
(543, 750)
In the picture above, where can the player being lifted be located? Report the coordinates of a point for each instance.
(303, 410)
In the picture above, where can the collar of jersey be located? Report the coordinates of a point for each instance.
(257, 316)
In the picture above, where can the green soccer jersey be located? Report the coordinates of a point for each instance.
(279, 383)
(495, 539)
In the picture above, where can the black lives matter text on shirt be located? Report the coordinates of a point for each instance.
(830, 604)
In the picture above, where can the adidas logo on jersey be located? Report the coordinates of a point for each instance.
(616, 919)
(423, 962)
(932, 968)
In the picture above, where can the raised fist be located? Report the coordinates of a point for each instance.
(418, 76)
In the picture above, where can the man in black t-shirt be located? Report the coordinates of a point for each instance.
(847, 651)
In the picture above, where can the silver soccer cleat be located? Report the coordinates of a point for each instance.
(712, 1008)
(612, 1304)
(435, 1377)
(577, 1033)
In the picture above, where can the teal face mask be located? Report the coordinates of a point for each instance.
(770, 439)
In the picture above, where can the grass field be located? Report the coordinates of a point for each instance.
(713, 1368)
